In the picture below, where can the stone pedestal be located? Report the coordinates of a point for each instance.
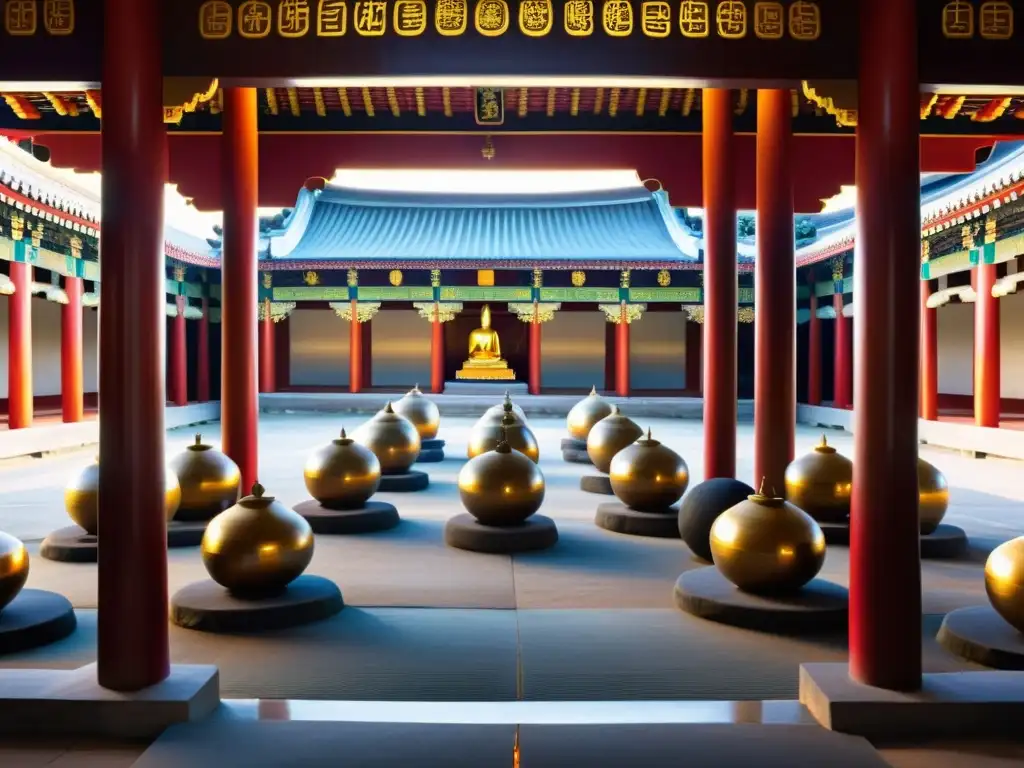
(981, 635)
(946, 542)
(617, 517)
(575, 451)
(465, 532)
(373, 516)
(406, 482)
(431, 451)
(74, 545)
(600, 484)
(35, 618)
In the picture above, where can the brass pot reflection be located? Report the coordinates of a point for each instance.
(648, 476)
(501, 487)
(421, 411)
(586, 413)
(485, 437)
(1004, 581)
(767, 545)
(933, 496)
(209, 480)
(343, 474)
(495, 412)
(82, 494)
(13, 568)
(609, 436)
(819, 483)
(257, 547)
(392, 438)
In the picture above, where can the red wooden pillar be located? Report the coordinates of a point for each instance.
(622, 354)
(841, 356)
(203, 355)
(178, 379)
(267, 358)
(694, 339)
(534, 376)
(986, 349)
(814, 353)
(239, 399)
(885, 560)
(775, 292)
(71, 397)
(132, 644)
(436, 355)
(929, 356)
(355, 352)
(720, 286)
(19, 347)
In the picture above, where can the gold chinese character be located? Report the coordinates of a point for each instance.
(958, 20)
(694, 19)
(996, 21)
(20, 17)
(293, 18)
(59, 16)
(331, 18)
(491, 17)
(215, 19)
(804, 20)
(489, 108)
(768, 20)
(370, 17)
(254, 19)
(656, 18)
(535, 17)
(579, 17)
(410, 17)
(617, 18)
(732, 19)
(451, 17)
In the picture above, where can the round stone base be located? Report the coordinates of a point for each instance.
(374, 516)
(431, 451)
(407, 482)
(616, 516)
(575, 451)
(596, 484)
(946, 542)
(818, 606)
(465, 532)
(35, 618)
(208, 607)
(74, 545)
(981, 635)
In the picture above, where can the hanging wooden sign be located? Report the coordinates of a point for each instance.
(489, 106)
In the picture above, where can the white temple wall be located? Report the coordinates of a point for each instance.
(400, 347)
(319, 349)
(956, 349)
(1011, 345)
(91, 350)
(572, 351)
(657, 351)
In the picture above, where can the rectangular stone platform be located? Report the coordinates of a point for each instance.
(491, 388)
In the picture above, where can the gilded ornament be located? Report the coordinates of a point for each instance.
(421, 411)
(311, 278)
(209, 480)
(257, 547)
(664, 278)
(579, 278)
(14, 562)
(1004, 581)
(609, 436)
(81, 497)
(648, 476)
(933, 496)
(392, 438)
(486, 435)
(495, 412)
(343, 474)
(767, 545)
(586, 413)
(501, 487)
(819, 483)
(395, 277)
(485, 361)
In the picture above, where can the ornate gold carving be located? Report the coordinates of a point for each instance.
(579, 278)
(268, 280)
(410, 17)
(179, 274)
(59, 17)
(364, 310)
(21, 17)
(536, 17)
(331, 18)
(311, 278)
(491, 17)
(435, 278)
(958, 20)
(838, 267)
(695, 314)
(995, 21)
(293, 18)
(926, 251)
(432, 310)
(656, 18)
(617, 18)
(216, 19)
(352, 278)
(535, 312)
(76, 246)
(769, 21)
(694, 19)
(279, 310)
(664, 278)
(17, 226)
(990, 228)
(622, 313)
(451, 17)
(624, 279)
(538, 278)
(395, 277)
(487, 152)
(579, 17)
(254, 19)
(804, 20)
(731, 18)
(745, 314)
(369, 17)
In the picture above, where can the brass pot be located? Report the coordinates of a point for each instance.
(609, 436)
(767, 545)
(421, 411)
(586, 413)
(648, 476)
(343, 474)
(819, 483)
(392, 438)
(1004, 581)
(485, 437)
(257, 547)
(209, 480)
(495, 412)
(81, 496)
(14, 564)
(933, 496)
(501, 487)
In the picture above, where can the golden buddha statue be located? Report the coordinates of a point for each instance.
(485, 362)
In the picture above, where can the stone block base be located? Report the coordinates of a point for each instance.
(600, 484)
(617, 517)
(406, 482)
(465, 532)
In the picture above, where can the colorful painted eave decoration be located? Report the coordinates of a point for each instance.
(277, 265)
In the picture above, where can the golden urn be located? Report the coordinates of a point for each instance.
(421, 411)
(392, 438)
(648, 476)
(257, 547)
(81, 496)
(820, 482)
(13, 568)
(501, 487)
(932, 496)
(765, 544)
(1004, 581)
(343, 474)
(609, 436)
(209, 480)
(495, 412)
(586, 413)
(486, 436)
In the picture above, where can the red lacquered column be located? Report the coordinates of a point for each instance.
(239, 399)
(355, 352)
(814, 353)
(986, 349)
(132, 646)
(267, 361)
(841, 356)
(622, 356)
(19, 347)
(71, 397)
(534, 382)
(179, 357)
(775, 292)
(929, 356)
(436, 356)
(720, 286)
(885, 561)
(203, 355)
